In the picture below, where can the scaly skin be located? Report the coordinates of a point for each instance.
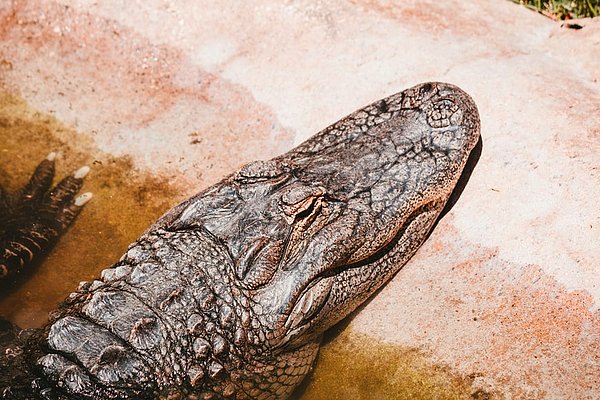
(33, 218)
(228, 294)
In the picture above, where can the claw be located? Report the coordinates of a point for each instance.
(82, 199)
(81, 172)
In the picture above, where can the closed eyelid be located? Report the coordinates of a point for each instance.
(259, 262)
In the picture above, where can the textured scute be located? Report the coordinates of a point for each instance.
(106, 306)
(146, 333)
(165, 312)
(116, 365)
(94, 348)
(126, 316)
(79, 338)
(65, 373)
(141, 273)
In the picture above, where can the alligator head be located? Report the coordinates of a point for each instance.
(228, 294)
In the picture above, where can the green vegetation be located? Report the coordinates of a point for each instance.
(564, 9)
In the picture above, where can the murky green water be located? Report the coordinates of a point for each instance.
(124, 204)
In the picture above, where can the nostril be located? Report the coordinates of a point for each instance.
(382, 106)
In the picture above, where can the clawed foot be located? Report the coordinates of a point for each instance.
(32, 219)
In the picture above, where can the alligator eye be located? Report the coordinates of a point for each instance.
(259, 262)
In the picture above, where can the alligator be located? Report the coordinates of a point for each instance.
(229, 293)
(33, 218)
